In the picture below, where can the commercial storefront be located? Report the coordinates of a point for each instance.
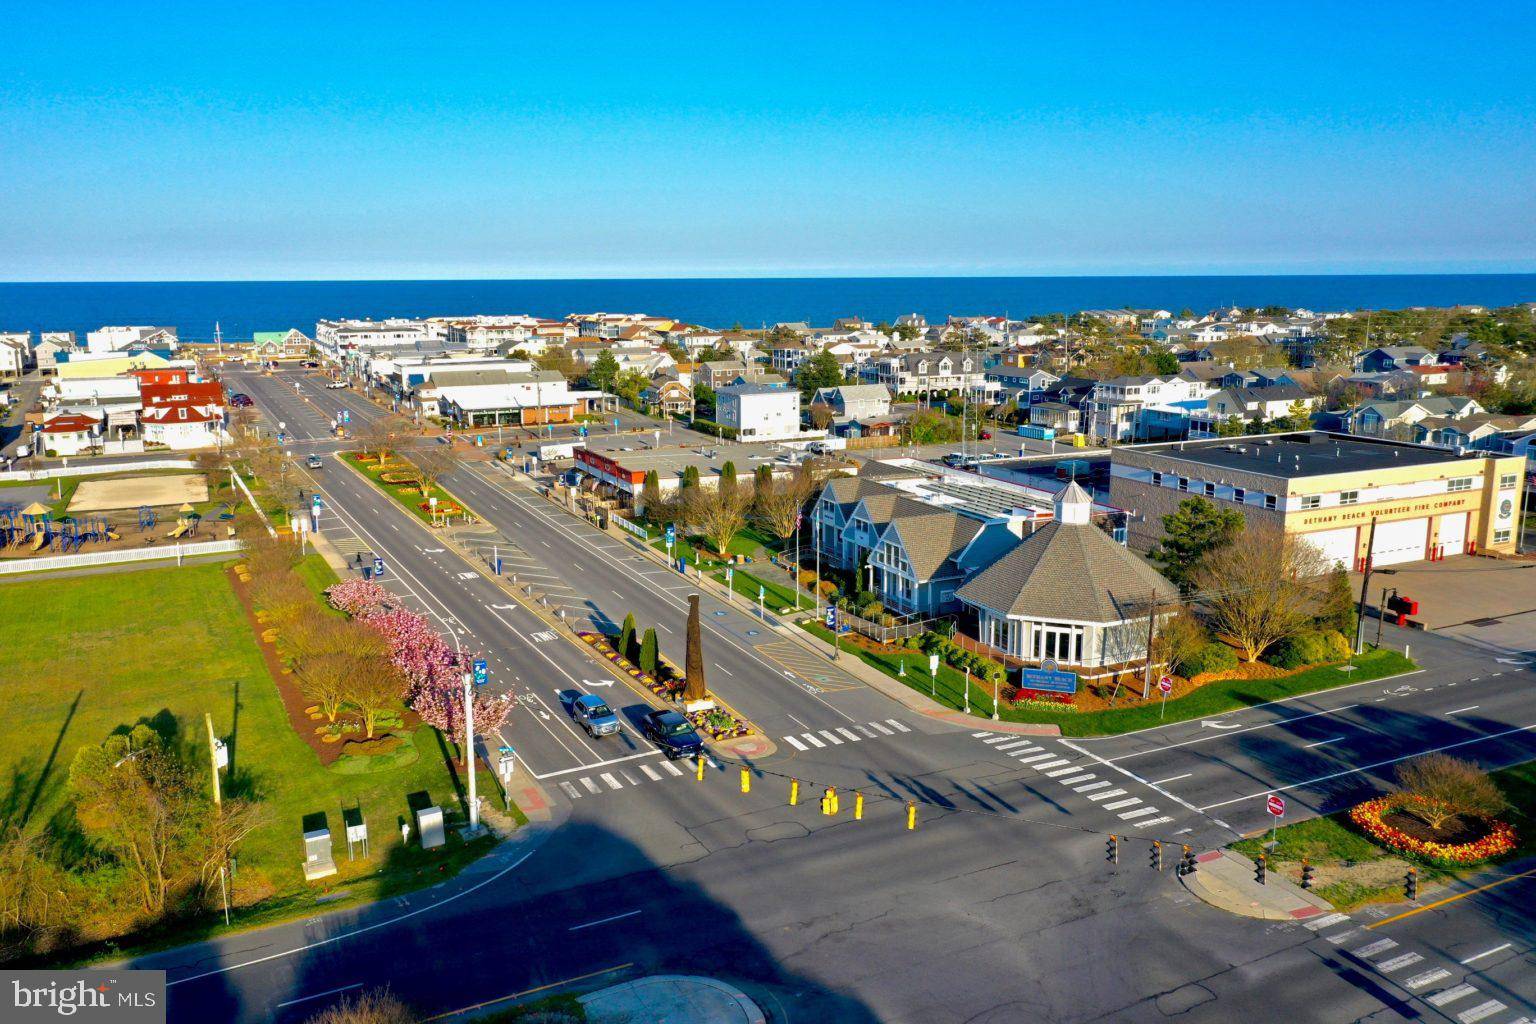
(1352, 497)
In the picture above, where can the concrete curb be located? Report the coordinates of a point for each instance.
(667, 998)
(1225, 880)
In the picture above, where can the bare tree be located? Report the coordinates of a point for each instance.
(719, 513)
(373, 1006)
(380, 436)
(224, 828)
(327, 678)
(1444, 787)
(1260, 588)
(373, 689)
(432, 464)
(280, 595)
(779, 503)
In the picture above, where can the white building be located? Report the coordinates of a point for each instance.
(15, 346)
(118, 339)
(758, 412)
(336, 335)
(1115, 408)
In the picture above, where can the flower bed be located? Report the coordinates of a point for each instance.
(1370, 817)
(1041, 700)
(667, 683)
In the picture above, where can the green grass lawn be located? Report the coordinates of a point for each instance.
(743, 580)
(1212, 699)
(173, 644)
(1333, 840)
(408, 499)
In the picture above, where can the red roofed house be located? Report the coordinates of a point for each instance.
(161, 375)
(70, 434)
(182, 416)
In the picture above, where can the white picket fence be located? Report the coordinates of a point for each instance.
(95, 469)
(176, 551)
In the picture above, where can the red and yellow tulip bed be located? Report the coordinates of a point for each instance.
(1372, 818)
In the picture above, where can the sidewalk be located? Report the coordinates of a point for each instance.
(672, 999)
(1225, 880)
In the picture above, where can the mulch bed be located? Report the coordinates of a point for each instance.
(288, 687)
(1458, 831)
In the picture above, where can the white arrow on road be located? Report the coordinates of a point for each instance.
(1207, 723)
(1511, 661)
(598, 682)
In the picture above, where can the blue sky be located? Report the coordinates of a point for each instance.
(383, 140)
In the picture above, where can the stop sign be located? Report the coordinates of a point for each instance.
(1275, 804)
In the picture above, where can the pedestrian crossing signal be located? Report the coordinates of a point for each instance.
(1411, 885)
(1260, 870)
(1187, 862)
(1157, 855)
(829, 802)
(1112, 850)
(1307, 872)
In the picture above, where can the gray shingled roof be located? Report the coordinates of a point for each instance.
(1066, 571)
(930, 540)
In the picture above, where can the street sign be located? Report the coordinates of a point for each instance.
(1275, 804)
(346, 416)
(761, 593)
(671, 534)
(1050, 680)
(482, 671)
(831, 616)
(1165, 684)
(933, 665)
(378, 566)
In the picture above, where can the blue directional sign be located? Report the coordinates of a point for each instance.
(1050, 680)
(378, 566)
(346, 416)
(831, 616)
(318, 505)
(615, 423)
(482, 671)
(671, 534)
(582, 430)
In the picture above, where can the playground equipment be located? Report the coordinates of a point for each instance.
(186, 526)
(11, 531)
(147, 518)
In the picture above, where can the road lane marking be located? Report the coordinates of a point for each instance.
(1173, 778)
(882, 730)
(317, 995)
(1323, 743)
(570, 790)
(1458, 711)
(1012, 744)
(604, 920)
(651, 773)
(1450, 995)
(1366, 768)
(595, 764)
(671, 768)
(1486, 953)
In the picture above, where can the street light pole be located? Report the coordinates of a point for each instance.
(469, 751)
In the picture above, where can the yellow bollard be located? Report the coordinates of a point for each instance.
(858, 806)
(746, 781)
(699, 773)
(911, 814)
(794, 792)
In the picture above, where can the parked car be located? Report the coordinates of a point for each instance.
(314, 462)
(672, 733)
(593, 715)
(241, 400)
(336, 385)
(986, 435)
(953, 459)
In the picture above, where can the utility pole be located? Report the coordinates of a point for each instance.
(1365, 583)
(1146, 672)
(218, 801)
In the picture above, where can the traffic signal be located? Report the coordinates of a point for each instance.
(1260, 870)
(1112, 850)
(746, 780)
(794, 792)
(1306, 874)
(1187, 862)
(699, 768)
(1403, 606)
(911, 814)
(829, 801)
(1157, 855)
(858, 806)
(1411, 885)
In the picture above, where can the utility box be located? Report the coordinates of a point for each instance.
(429, 827)
(318, 862)
(357, 831)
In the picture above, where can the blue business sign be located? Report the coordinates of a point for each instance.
(1048, 679)
(482, 671)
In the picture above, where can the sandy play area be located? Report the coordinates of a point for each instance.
(133, 491)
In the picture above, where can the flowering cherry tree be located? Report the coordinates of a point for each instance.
(359, 598)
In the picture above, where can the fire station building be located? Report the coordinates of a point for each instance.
(1426, 503)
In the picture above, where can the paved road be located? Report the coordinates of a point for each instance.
(998, 907)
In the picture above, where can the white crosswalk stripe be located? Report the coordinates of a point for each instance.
(592, 787)
(1427, 978)
(671, 768)
(1153, 821)
(613, 783)
(1140, 812)
(1092, 787)
(994, 740)
(794, 743)
(1074, 780)
(896, 725)
(882, 730)
(1052, 764)
(1106, 795)
(812, 740)
(1326, 921)
(1128, 802)
(1024, 751)
(1013, 743)
(831, 737)
(1450, 995)
(867, 731)
(1036, 757)
(651, 773)
(1379, 946)
(570, 790)
(1480, 1011)
(1059, 772)
(848, 734)
(1397, 963)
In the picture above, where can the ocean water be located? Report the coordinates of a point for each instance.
(240, 307)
